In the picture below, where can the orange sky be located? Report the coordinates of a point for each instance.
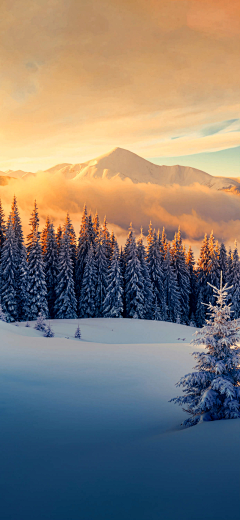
(79, 77)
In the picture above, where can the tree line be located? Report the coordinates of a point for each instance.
(55, 274)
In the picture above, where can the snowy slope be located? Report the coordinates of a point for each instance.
(87, 430)
(127, 165)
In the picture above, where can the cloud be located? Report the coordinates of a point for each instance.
(197, 209)
(218, 127)
(77, 76)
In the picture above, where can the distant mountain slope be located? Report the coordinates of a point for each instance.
(127, 165)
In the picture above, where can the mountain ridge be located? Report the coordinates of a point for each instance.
(124, 164)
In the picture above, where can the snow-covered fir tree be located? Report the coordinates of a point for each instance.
(147, 290)
(84, 243)
(44, 236)
(155, 260)
(193, 285)
(77, 334)
(20, 255)
(203, 292)
(36, 276)
(17, 225)
(66, 303)
(59, 238)
(34, 228)
(134, 284)
(40, 323)
(8, 289)
(164, 242)
(69, 230)
(171, 291)
(48, 332)
(101, 263)
(182, 273)
(113, 303)
(213, 391)
(2, 228)
(87, 305)
(113, 241)
(23, 291)
(223, 262)
(51, 260)
(107, 240)
(234, 292)
(96, 225)
(229, 272)
(213, 267)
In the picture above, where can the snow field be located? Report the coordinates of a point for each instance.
(87, 430)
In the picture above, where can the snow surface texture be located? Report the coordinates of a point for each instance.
(87, 431)
(125, 164)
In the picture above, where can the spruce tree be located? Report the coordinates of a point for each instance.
(2, 228)
(182, 273)
(8, 275)
(96, 225)
(87, 305)
(148, 291)
(82, 251)
(203, 293)
(134, 284)
(113, 303)
(48, 332)
(44, 236)
(124, 257)
(36, 276)
(213, 269)
(101, 274)
(128, 244)
(213, 391)
(51, 267)
(229, 272)
(59, 238)
(23, 293)
(65, 304)
(17, 226)
(77, 333)
(193, 284)
(235, 289)
(113, 242)
(34, 228)
(223, 262)
(107, 240)
(164, 242)
(69, 230)
(171, 290)
(155, 261)
(20, 256)
(40, 323)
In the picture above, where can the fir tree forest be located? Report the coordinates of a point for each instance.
(60, 275)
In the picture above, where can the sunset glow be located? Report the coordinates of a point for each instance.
(159, 78)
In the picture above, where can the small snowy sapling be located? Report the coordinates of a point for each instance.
(48, 332)
(213, 391)
(40, 323)
(78, 333)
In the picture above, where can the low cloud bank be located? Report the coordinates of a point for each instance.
(197, 209)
